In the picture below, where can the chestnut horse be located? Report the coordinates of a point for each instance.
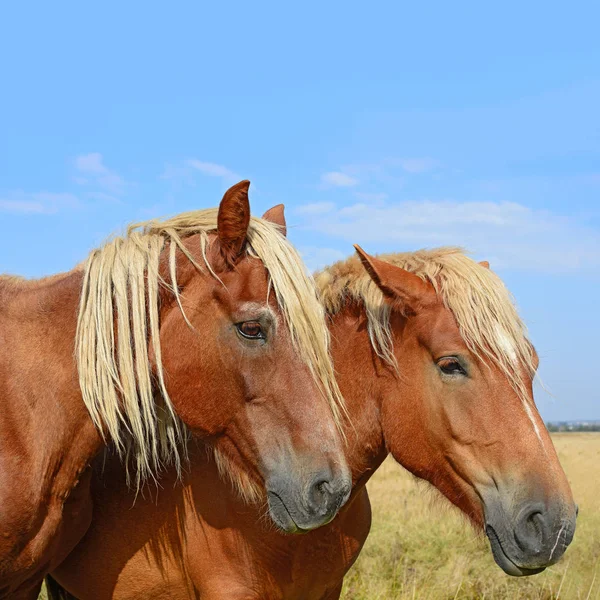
(234, 345)
(435, 367)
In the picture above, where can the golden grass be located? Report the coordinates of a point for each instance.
(421, 548)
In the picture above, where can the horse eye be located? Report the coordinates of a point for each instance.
(251, 329)
(450, 366)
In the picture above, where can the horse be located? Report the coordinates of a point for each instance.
(436, 367)
(205, 325)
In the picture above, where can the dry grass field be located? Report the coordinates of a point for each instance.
(419, 548)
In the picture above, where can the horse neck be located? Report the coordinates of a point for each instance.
(43, 414)
(361, 376)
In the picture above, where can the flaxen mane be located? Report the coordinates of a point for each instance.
(482, 306)
(122, 281)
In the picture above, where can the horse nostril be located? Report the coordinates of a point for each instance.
(576, 510)
(319, 492)
(325, 494)
(325, 487)
(531, 531)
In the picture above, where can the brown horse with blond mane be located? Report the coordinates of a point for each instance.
(205, 323)
(436, 368)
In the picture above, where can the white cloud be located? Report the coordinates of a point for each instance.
(21, 206)
(90, 163)
(316, 208)
(93, 171)
(175, 172)
(508, 234)
(390, 171)
(317, 258)
(102, 197)
(375, 197)
(594, 178)
(415, 165)
(41, 203)
(338, 179)
(212, 169)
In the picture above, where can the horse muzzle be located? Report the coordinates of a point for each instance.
(534, 539)
(297, 509)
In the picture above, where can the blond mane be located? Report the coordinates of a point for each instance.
(120, 288)
(482, 306)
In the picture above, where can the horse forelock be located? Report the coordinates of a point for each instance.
(482, 306)
(122, 281)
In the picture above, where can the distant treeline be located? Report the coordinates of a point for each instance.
(593, 426)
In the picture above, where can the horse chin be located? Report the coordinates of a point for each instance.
(280, 514)
(503, 560)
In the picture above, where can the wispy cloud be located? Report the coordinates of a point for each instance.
(91, 170)
(39, 203)
(506, 233)
(212, 169)
(392, 171)
(415, 165)
(175, 172)
(338, 179)
(375, 197)
(316, 257)
(102, 184)
(315, 208)
(594, 178)
(102, 197)
(185, 173)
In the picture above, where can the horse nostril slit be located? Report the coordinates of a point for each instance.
(537, 523)
(325, 487)
(321, 492)
(322, 489)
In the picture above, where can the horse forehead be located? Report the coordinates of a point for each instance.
(248, 281)
(438, 327)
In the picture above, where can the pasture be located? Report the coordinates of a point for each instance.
(420, 547)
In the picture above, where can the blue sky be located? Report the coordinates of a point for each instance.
(388, 124)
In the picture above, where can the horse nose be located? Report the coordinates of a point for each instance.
(532, 529)
(327, 493)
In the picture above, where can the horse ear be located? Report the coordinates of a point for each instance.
(397, 284)
(485, 264)
(233, 221)
(275, 215)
